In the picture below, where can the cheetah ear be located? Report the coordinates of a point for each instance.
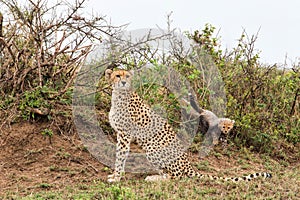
(108, 73)
(131, 72)
(232, 121)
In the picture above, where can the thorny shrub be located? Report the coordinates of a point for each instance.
(42, 47)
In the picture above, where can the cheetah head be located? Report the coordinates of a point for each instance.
(119, 79)
(226, 125)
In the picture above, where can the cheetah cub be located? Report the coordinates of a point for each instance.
(216, 128)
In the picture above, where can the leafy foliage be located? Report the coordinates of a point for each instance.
(264, 100)
(40, 57)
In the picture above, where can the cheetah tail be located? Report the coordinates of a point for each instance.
(237, 179)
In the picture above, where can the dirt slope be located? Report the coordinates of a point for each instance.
(31, 161)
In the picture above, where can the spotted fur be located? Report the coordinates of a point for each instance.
(132, 119)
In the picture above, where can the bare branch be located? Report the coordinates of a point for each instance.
(43, 45)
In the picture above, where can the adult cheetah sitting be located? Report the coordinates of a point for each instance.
(132, 119)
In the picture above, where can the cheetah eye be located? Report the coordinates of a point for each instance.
(118, 76)
(127, 76)
(224, 127)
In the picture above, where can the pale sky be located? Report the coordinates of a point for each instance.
(278, 21)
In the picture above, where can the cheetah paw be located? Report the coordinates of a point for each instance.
(154, 178)
(113, 178)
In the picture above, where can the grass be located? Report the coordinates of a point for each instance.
(283, 185)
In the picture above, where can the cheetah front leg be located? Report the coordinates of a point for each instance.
(122, 151)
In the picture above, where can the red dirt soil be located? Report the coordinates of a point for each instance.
(31, 162)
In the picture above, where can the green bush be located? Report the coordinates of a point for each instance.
(262, 99)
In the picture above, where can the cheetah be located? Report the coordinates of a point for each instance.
(133, 119)
(209, 123)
